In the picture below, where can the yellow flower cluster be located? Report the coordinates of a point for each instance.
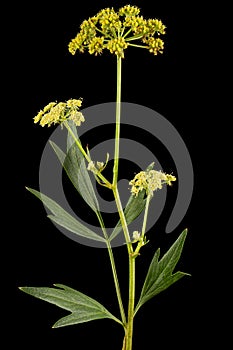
(117, 46)
(109, 21)
(57, 113)
(115, 31)
(155, 45)
(156, 25)
(150, 181)
(137, 24)
(96, 45)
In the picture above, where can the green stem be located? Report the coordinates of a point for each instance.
(140, 46)
(123, 220)
(121, 33)
(127, 345)
(116, 282)
(127, 33)
(118, 120)
(84, 153)
(129, 333)
(123, 345)
(142, 240)
(134, 37)
(114, 271)
(78, 143)
(146, 215)
(104, 34)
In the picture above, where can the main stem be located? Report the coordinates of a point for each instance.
(127, 345)
(118, 121)
(129, 332)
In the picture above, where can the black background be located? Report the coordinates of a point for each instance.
(45, 71)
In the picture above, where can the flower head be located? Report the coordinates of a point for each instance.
(115, 31)
(57, 113)
(150, 181)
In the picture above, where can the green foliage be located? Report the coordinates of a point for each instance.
(74, 164)
(160, 274)
(64, 219)
(133, 209)
(82, 308)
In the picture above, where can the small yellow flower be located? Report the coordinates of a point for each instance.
(73, 103)
(150, 181)
(57, 113)
(169, 179)
(38, 117)
(129, 10)
(48, 107)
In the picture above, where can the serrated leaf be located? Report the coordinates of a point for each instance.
(82, 307)
(133, 209)
(160, 273)
(164, 284)
(64, 219)
(74, 164)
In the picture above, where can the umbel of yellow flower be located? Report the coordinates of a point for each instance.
(150, 181)
(57, 113)
(115, 31)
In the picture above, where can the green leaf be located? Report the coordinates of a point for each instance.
(133, 209)
(160, 273)
(70, 140)
(64, 219)
(74, 164)
(82, 308)
(82, 316)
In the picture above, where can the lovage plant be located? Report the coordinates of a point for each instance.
(109, 31)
